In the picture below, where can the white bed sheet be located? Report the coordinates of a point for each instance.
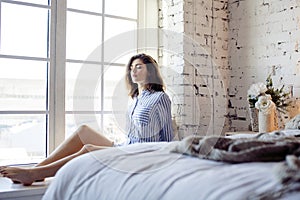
(149, 171)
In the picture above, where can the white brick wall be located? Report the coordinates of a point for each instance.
(264, 36)
(203, 80)
(248, 39)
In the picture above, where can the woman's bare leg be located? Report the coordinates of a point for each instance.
(83, 135)
(70, 147)
(27, 176)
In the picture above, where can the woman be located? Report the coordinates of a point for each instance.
(149, 120)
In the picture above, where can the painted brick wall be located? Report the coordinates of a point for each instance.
(246, 39)
(264, 38)
(197, 72)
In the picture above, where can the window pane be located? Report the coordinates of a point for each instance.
(87, 5)
(125, 8)
(115, 91)
(83, 35)
(122, 59)
(115, 27)
(25, 33)
(23, 84)
(116, 31)
(115, 128)
(41, 2)
(22, 139)
(74, 121)
(114, 125)
(83, 87)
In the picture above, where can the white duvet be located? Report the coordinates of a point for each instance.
(150, 171)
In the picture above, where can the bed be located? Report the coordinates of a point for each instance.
(156, 171)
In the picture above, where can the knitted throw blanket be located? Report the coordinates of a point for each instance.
(263, 147)
(276, 146)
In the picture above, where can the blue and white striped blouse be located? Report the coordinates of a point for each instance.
(150, 118)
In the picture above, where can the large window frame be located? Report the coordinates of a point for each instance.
(147, 17)
(16, 57)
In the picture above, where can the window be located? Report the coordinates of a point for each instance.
(46, 47)
(24, 63)
(94, 66)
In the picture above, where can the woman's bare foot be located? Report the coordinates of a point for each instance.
(26, 176)
(14, 180)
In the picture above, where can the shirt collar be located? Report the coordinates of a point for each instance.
(144, 92)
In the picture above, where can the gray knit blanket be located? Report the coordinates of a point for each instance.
(264, 147)
(275, 146)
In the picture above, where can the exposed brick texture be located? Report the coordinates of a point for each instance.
(264, 38)
(201, 64)
(223, 46)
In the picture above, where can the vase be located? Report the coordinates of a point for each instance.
(253, 119)
(267, 122)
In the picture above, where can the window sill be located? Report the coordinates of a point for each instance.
(9, 190)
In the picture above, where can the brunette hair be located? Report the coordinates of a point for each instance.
(154, 79)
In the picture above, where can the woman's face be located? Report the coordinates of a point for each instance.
(138, 72)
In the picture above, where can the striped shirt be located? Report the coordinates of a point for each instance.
(150, 118)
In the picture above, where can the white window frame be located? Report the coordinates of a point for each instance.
(147, 18)
(56, 131)
(46, 112)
